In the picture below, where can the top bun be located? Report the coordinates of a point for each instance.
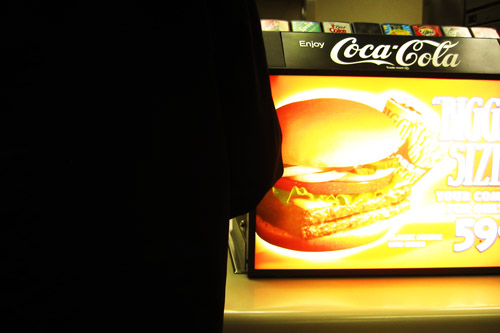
(331, 132)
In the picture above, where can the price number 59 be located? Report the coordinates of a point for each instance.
(485, 229)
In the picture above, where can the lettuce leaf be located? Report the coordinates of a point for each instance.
(285, 196)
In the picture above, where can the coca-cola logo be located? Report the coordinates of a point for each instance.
(414, 52)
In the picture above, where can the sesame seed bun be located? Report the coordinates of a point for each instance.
(331, 132)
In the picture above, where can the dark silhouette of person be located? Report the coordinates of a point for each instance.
(130, 133)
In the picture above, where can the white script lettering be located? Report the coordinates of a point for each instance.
(408, 54)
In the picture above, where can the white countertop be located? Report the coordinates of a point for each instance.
(395, 304)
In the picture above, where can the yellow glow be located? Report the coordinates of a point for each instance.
(308, 204)
(282, 258)
(297, 170)
(422, 237)
(319, 177)
(363, 178)
(355, 95)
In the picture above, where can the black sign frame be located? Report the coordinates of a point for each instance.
(476, 59)
(392, 55)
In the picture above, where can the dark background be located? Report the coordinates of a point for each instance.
(86, 126)
(130, 131)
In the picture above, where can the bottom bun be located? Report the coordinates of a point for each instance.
(337, 241)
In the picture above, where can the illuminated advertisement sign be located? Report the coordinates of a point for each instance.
(383, 173)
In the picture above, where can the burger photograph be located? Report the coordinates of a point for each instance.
(342, 180)
(373, 180)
